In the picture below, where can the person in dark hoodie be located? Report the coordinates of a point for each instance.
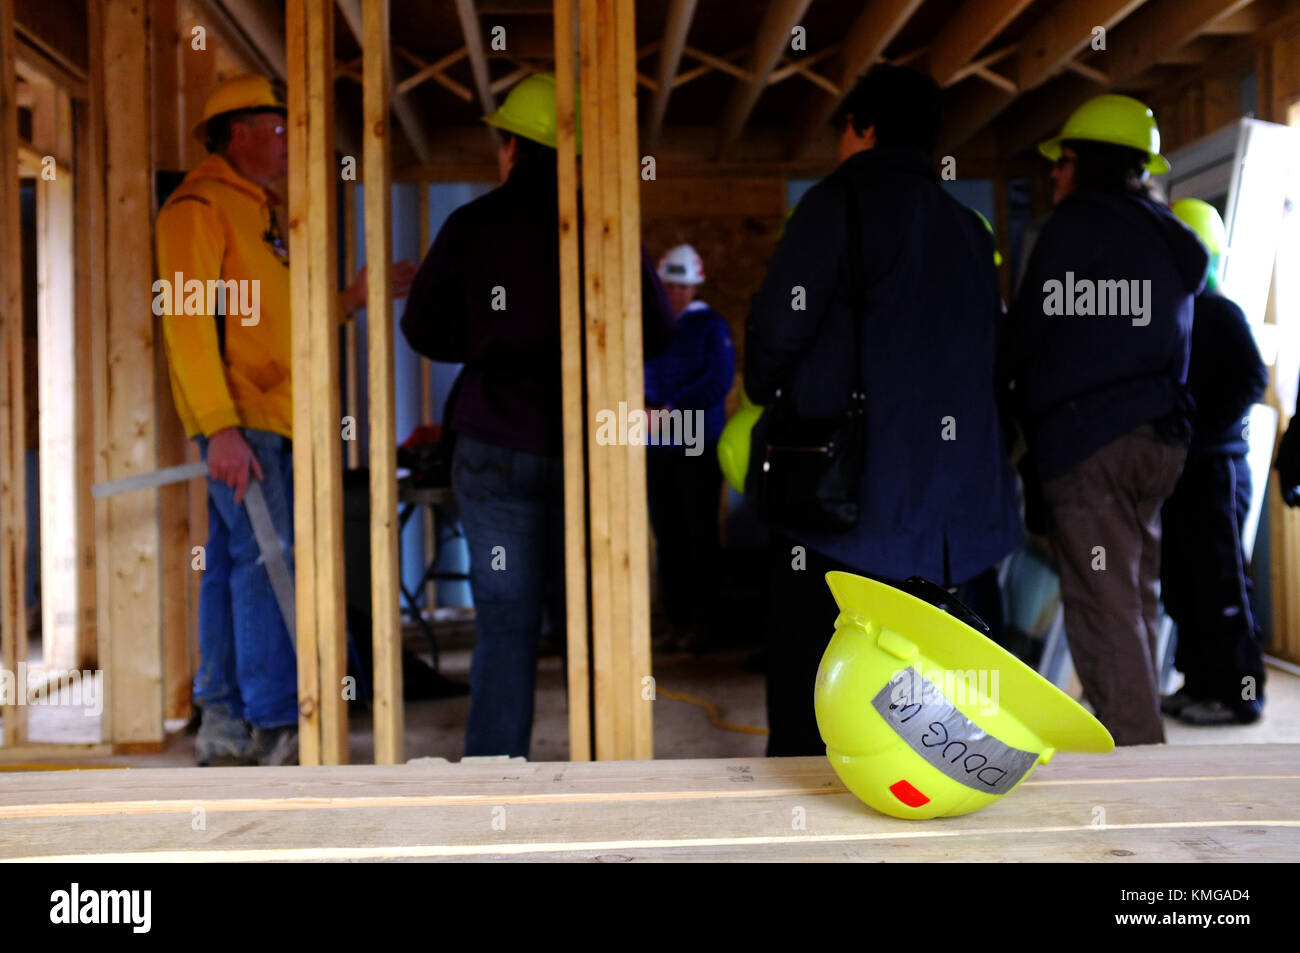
(488, 295)
(683, 478)
(1206, 589)
(1095, 351)
(936, 494)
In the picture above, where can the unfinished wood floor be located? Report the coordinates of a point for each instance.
(1203, 803)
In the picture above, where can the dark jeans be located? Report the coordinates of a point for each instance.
(801, 621)
(1205, 586)
(684, 494)
(1104, 524)
(512, 509)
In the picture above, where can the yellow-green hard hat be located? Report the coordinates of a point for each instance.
(733, 443)
(923, 716)
(997, 255)
(1118, 120)
(529, 111)
(1203, 218)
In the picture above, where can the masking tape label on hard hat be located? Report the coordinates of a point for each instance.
(924, 717)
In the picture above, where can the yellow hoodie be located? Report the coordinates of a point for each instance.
(219, 225)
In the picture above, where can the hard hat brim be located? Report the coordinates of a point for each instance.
(1156, 164)
(1041, 707)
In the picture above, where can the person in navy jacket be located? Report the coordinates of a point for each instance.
(937, 495)
(1206, 588)
(1095, 351)
(683, 478)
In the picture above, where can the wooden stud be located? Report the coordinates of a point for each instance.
(473, 33)
(571, 372)
(772, 40)
(974, 26)
(431, 70)
(13, 468)
(298, 78)
(351, 367)
(131, 647)
(385, 565)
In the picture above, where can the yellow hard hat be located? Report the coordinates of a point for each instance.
(529, 111)
(1118, 120)
(733, 443)
(922, 715)
(997, 255)
(240, 92)
(1203, 218)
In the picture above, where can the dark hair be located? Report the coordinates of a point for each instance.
(216, 137)
(533, 157)
(1103, 167)
(901, 103)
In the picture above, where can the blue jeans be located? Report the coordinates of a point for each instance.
(512, 508)
(247, 664)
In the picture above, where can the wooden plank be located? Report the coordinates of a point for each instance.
(351, 367)
(1161, 803)
(31, 59)
(56, 356)
(1157, 29)
(640, 742)
(304, 471)
(131, 647)
(319, 218)
(1063, 32)
(571, 374)
(13, 464)
(974, 26)
(174, 508)
(385, 566)
(771, 41)
(426, 406)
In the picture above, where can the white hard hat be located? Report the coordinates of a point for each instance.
(681, 266)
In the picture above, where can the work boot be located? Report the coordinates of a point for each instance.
(222, 740)
(1175, 703)
(1212, 712)
(275, 747)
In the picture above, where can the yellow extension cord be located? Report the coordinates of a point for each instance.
(715, 714)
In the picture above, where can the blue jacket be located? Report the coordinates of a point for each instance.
(1084, 380)
(697, 369)
(1225, 375)
(937, 496)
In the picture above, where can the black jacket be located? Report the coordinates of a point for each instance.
(937, 495)
(488, 295)
(1225, 376)
(1082, 380)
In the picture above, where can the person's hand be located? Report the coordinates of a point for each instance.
(354, 297)
(230, 460)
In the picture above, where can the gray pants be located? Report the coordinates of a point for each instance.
(1104, 524)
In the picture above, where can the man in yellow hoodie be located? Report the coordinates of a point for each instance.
(223, 292)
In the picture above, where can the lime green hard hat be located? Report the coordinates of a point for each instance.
(923, 716)
(529, 111)
(733, 443)
(997, 255)
(1118, 120)
(1203, 218)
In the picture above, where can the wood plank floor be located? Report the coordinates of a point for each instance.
(1208, 803)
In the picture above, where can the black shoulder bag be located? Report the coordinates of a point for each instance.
(805, 472)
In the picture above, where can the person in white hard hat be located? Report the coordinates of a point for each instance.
(683, 479)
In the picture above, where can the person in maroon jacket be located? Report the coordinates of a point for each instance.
(488, 296)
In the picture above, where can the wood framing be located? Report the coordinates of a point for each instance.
(131, 646)
(318, 529)
(571, 373)
(385, 565)
(351, 367)
(975, 25)
(474, 48)
(616, 474)
(13, 465)
(773, 39)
